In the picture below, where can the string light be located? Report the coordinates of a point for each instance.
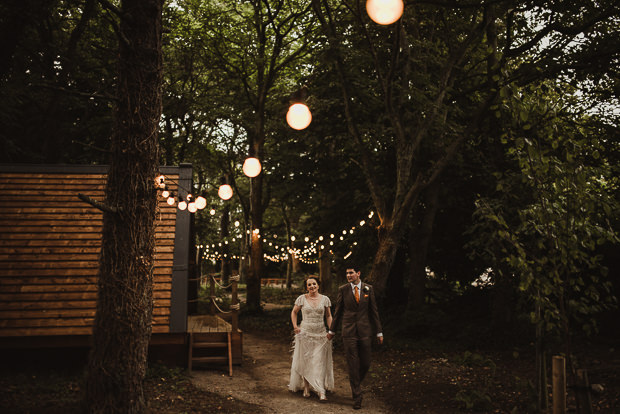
(225, 192)
(298, 116)
(385, 11)
(201, 202)
(251, 167)
(302, 254)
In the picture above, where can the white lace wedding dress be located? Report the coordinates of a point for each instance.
(312, 354)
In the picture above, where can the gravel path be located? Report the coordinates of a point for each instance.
(263, 378)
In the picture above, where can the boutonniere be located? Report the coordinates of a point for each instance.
(366, 289)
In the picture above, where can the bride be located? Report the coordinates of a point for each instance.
(312, 367)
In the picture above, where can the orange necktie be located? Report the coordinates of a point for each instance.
(357, 295)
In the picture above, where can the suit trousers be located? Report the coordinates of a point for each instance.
(357, 352)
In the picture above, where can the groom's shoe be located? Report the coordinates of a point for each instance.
(358, 403)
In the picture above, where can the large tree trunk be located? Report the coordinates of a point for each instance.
(389, 238)
(418, 248)
(122, 326)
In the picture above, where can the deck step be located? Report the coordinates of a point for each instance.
(210, 344)
(203, 347)
(210, 359)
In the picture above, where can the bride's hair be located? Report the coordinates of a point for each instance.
(316, 279)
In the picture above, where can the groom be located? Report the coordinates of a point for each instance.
(356, 307)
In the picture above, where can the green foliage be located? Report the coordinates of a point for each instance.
(160, 371)
(552, 210)
(473, 359)
(279, 296)
(474, 400)
(56, 81)
(275, 323)
(477, 399)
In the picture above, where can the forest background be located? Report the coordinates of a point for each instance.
(466, 154)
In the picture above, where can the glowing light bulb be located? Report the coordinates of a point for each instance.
(225, 192)
(191, 207)
(385, 11)
(159, 181)
(298, 116)
(212, 212)
(201, 202)
(165, 194)
(170, 201)
(182, 205)
(251, 167)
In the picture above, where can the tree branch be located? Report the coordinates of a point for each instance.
(99, 205)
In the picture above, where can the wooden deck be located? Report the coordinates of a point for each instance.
(207, 323)
(207, 333)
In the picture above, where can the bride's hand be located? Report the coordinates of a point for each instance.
(297, 330)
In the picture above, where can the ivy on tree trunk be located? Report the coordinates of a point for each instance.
(122, 327)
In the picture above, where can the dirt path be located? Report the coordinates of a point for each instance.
(263, 380)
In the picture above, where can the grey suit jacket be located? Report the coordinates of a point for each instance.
(358, 320)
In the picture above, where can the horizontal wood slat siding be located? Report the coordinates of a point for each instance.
(50, 242)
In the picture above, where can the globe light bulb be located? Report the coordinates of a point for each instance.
(170, 201)
(251, 167)
(165, 194)
(225, 192)
(201, 202)
(160, 181)
(182, 205)
(385, 11)
(191, 207)
(298, 116)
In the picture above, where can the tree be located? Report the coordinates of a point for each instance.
(122, 327)
(254, 44)
(54, 79)
(423, 86)
(552, 209)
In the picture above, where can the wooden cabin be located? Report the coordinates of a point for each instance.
(49, 257)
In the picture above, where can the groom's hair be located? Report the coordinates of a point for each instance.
(353, 266)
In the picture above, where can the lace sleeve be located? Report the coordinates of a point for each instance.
(326, 302)
(300, 301)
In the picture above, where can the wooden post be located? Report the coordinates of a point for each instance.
(582, 392)
(212, 295)
(234, 301)
(559, 384)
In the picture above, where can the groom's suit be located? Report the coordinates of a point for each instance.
(360, 322)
